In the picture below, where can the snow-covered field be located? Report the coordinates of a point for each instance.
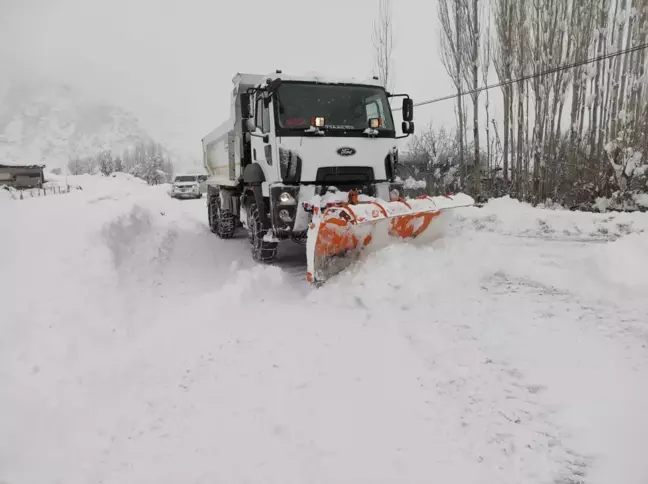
(137, 347)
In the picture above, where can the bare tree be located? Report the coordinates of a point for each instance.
(614, 95)
(503, 59)
(383, 41)
(560, 55)
(521, 34)
(575, 134)
(471, 60)
(637, 70)
(486, 63)
(437, 152)
(603, 15)
(582, 31)
(451, 17)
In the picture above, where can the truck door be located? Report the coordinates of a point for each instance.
(262, 149)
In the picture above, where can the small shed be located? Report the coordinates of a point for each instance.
(21, 176)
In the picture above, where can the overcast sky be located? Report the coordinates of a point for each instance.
(171, 61)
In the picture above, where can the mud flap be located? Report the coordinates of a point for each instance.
(340, 234)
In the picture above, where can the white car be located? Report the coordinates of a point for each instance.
(186, 186)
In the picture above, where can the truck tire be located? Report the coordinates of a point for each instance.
(221, 222)
(262, 250)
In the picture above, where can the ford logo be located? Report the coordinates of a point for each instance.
(346, 151)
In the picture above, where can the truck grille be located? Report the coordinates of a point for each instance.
(345, 175)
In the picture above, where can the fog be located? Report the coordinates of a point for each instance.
(171, 62)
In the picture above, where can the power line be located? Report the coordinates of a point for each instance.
(535, 75)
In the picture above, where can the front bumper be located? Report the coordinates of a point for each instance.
(290, 218)
(183, 194)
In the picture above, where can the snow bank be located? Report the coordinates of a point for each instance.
(6, 193)
(510, 217)
(631, 203)
(624, 262)
(641, 199)
(615, 267)
(412, 184)
(494, 315)
(51, 177)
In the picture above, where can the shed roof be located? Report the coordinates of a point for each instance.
(18, 165)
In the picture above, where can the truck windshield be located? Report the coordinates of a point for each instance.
(343, 107)
(182, 179)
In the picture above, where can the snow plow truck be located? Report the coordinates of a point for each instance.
(315, 161)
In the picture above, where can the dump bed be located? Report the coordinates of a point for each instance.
(223, 147)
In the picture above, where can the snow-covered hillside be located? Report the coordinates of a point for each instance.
(44, 122)
(136, 347)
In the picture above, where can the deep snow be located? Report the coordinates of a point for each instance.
(137, 347)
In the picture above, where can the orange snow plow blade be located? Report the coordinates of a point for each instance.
(340, 233)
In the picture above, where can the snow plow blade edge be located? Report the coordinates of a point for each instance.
(340, 233)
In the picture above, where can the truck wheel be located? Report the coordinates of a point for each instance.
(221, 222)
(262, 250)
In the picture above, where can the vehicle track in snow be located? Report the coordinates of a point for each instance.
(291, 256)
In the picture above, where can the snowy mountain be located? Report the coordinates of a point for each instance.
(51, 123)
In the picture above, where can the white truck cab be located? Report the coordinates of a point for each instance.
(291, 138)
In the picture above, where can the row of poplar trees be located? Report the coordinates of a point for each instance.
(570, 135)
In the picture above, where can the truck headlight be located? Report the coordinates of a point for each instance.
(284, 215)
(287, 199)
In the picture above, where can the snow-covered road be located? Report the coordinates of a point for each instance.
(136, 347)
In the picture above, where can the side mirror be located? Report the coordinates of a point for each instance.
(408, 127)
(250, 124)
(408, 109)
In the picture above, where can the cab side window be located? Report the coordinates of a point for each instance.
(266, 119)
(262, 115)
